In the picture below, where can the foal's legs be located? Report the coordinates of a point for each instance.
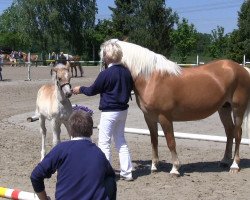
(66, 124)
(56, 129)
(167, 127)
(226, 119)
(152, 126)
(43, 131)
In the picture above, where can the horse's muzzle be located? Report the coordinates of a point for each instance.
(68, 94)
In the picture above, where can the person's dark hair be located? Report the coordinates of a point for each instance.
(81, 124)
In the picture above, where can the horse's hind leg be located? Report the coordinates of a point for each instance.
(238, 119)
(152, 126)
(167, 127)
(72, 69)
(43, 131)
(75, 70)
(80, 69)
(226, 119)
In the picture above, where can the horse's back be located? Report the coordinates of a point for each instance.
(225, 71)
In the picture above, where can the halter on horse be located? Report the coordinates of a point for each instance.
(166, 93)
(53, 104)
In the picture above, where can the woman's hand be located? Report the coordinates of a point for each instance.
(76, 90)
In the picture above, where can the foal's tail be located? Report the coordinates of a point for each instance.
(33, 118)
(246, 119)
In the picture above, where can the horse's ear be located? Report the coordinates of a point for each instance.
(67, 65)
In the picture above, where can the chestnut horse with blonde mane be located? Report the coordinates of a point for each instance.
(165, 93)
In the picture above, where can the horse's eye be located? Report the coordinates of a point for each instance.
(59, 79)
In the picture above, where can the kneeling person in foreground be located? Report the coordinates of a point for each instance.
(83, 172)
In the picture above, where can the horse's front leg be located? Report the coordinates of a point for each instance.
(43, 131)
(152, 126)
(167, 127)
(66, 124)
(56, 129)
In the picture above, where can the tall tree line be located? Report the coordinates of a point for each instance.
(69, 26)
(49, 25)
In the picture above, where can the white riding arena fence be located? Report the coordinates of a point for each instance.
(178, 135)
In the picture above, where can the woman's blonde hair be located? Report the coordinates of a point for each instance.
(112, 53)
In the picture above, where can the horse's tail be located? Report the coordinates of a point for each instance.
(246, 119)
(36, 116)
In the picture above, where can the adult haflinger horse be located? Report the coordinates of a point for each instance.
(166, 93)
(53, 103)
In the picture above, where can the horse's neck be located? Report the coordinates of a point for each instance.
(59, 94)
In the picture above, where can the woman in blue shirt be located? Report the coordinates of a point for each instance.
(114, 85)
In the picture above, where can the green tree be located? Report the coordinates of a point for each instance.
(235, 46)
(239, 41)
(49, 25)
(145, 22)
(10, 34)
(185, 39)
(218, 46)
(102, 31)
(203, 42)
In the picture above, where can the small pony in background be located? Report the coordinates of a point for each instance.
(54, 105)
(74, 64)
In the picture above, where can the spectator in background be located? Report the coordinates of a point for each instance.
(62, 58)
(53, 62)
(53, 58)
(83, 172)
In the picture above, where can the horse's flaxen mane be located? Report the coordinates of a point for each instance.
(142, 61)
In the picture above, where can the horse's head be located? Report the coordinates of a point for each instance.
(61, 76)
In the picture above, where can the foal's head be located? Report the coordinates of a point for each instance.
(61, 76)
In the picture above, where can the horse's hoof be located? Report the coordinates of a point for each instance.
(154, 168)
(153, 171)
(174, 175)
(234, 170)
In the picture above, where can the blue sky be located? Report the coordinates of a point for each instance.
(205, 15)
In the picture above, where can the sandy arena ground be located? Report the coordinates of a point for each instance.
(201, 177)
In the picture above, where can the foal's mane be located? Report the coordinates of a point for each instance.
(142, 61)
(58, 66)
